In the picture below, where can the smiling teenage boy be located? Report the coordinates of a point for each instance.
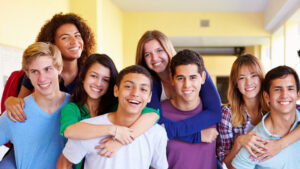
(37, 143)
(281, 90)
(187, 76)
(133, 89)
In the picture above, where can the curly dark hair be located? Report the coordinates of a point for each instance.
(108, 100)
(48, 31)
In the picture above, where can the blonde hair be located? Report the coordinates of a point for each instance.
(234, 96)
(148, 36)
(38, 49)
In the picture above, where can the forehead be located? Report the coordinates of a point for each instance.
(284, 81)
(247, 69)
(152, 44)
(189, 69)
(66, 28)
(136, 78)
(40, 62)
(99, 68)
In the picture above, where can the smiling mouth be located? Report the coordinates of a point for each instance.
(96, 89)
(133, 102)
(284, 102)
(43, 86)
(156, 64)
(250, 89)
(187, 92)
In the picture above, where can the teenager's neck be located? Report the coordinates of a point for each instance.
(185, 106)
(70, 65)
(93, 106)
(49, 103)
(251, 105)
(280, 124)
(164, 76)
(122, 118)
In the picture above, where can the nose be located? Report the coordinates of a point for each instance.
(41, 77)
(154, 56)
(134, 91)
(99, 82)
(284, 93)
(187, 83)
(73, 40)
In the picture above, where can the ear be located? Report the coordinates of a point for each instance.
(116, 91)
(203, 77)
(298, 98)
(266, 97)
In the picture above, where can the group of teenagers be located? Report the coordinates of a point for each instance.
(74, 110)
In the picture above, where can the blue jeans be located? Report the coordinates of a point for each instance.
(8, 161)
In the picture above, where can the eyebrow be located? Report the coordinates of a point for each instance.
(68, 34)
(130, 81)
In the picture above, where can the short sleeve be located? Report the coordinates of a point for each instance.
(159, 158)
(242, 160)
(4, 128)
(74, 151)
(70, 114)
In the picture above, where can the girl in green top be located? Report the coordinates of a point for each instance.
(93, 96)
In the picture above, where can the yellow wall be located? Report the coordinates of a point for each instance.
(218, 65)
(89, 12)
(21, 20)
(188, 24)
(111, 32)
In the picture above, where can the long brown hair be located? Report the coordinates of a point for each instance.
(108, 100)
(235, 98)
(148, 36)
(48, 31)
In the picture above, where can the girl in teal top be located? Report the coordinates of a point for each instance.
(93, 96)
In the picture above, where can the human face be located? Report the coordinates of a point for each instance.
(96, 81)
(44, 75)
(156, 57)
(187, 83)
(282, 95)
(248, 82)
(133, 93)
(69, 41)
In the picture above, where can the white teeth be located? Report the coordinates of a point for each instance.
(156, 64)
(284, 103)
(44, 85)
(250, 89)
(95, 89)
(187, 92)
(75, 48)
(133, 101)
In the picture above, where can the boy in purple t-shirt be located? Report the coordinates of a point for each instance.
(187, 76)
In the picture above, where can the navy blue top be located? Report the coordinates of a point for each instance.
(189, 130)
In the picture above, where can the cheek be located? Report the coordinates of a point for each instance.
(148, 61)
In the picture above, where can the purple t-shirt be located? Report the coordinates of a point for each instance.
(186, 155)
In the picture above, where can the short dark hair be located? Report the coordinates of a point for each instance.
(279, 72)
(134, 69)
(108, 100)
(186, 57)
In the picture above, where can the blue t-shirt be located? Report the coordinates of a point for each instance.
(288, 158)
(37, 142)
